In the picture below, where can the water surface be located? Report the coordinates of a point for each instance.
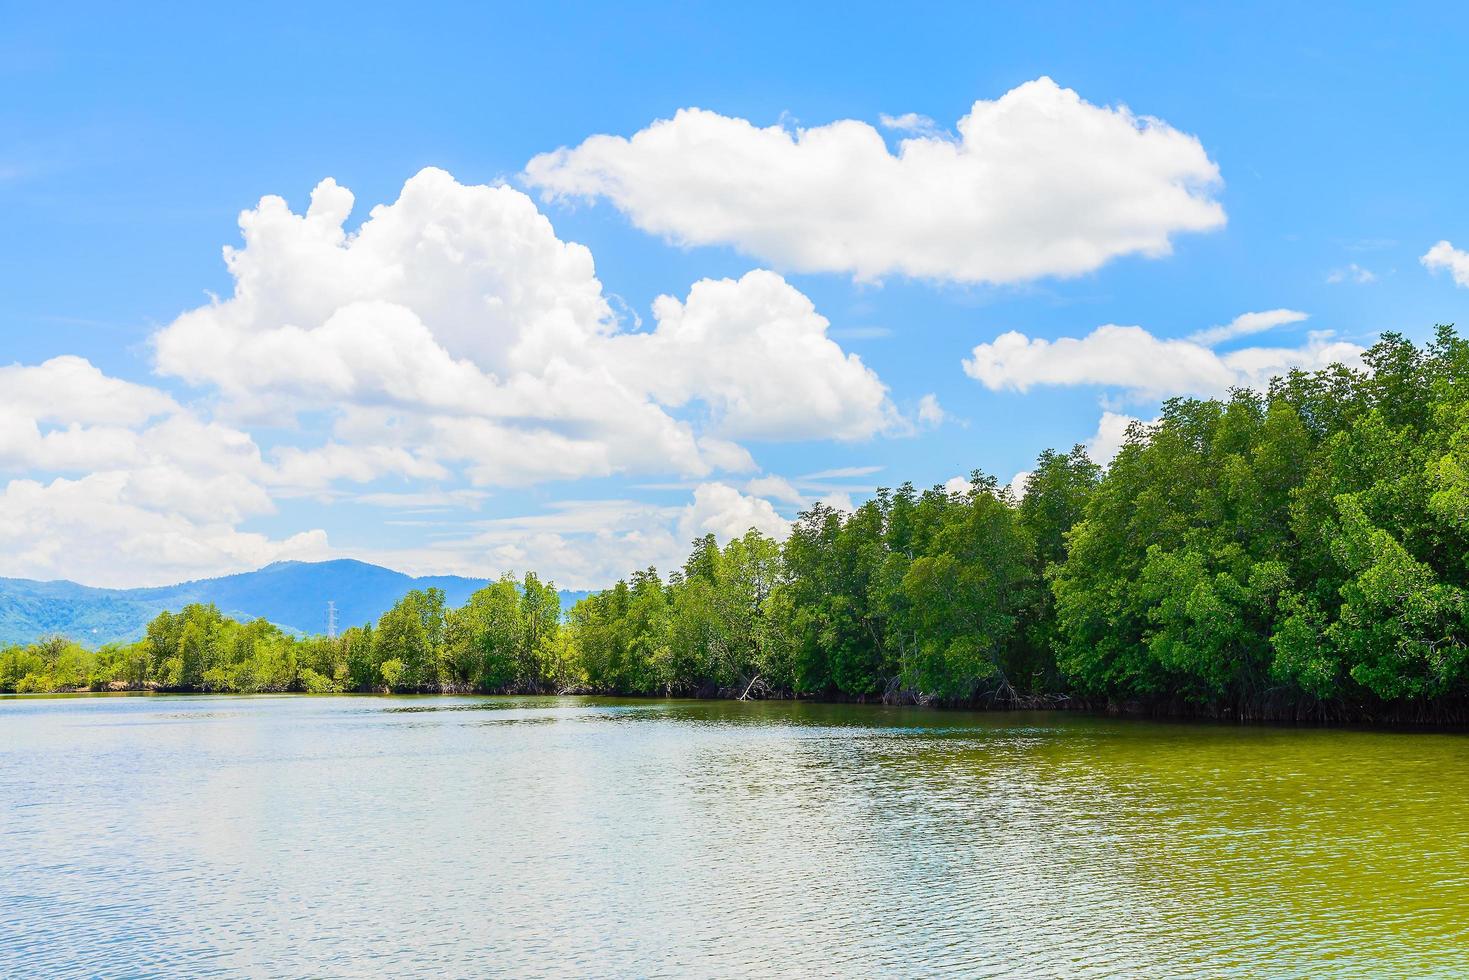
(342, 836)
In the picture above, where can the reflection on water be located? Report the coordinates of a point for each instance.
(515, 836)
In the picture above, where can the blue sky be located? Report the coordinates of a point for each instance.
(130, 143)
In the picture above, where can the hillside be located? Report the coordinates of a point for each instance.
(292, 594)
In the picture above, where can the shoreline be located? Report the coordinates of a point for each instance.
(1447, 719)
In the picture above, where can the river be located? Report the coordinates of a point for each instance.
(343, 836)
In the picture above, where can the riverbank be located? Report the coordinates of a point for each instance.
(1445, 716)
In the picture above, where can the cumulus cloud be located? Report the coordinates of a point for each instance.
(113, 529)
(116, 484)
(455, 322)
(958, 484)
(25, 446)
(723, 511)
(478, 267)
(1110, 436)
(1444, 257)
(1144, 366)
(1038, 182)
(963, 486)
(1257, 365)
(71, 390)
(838, 500)
(930, 412)
(757, 353)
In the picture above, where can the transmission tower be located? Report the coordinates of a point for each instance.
(331, 620)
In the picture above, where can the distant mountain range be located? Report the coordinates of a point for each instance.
(291, 594)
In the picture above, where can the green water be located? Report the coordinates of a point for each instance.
(573, 837)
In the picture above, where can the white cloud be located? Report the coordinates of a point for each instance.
(825, 487)
(151, 494)
(962, 486)
(494, 453)
(1351, 273)
(958, 484)
(454, 328)
(70, 389)
(725, 455)
(1255, 366)
(1142, 365)
(1019, 483)
(930, 412)
(76, 448)
(478, 266)
(128, 529)
(321, 466)
(177, 462)
(838, 500)
(1038, 183)
(1246, 324)
(757, 353)
(776, 487)
(170, 502)
(1444, 256)
(722, 510)
(1110, 436)
(1113, 356)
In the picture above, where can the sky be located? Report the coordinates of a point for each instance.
(476, 288)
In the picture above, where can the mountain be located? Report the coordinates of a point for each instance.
(291, 594)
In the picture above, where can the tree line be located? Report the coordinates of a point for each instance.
(507, 637)
(1302, 551)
